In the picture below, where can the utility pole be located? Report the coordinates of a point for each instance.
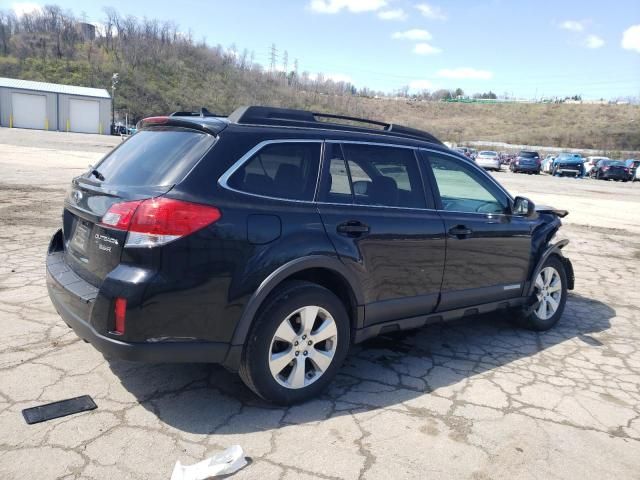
(295, 70)
(273, 56)
(114, 82)
(285, 62)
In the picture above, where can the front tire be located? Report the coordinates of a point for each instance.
(297, 344)
(550, 291)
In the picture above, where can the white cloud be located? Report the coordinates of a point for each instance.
(465, 73)
(430, 11)
(420, 85)
(426, 49)
(572, 25)
(631, 38)
(413, 34)
(354, 6)
(397, 14)
(594, 41)
(21, 8)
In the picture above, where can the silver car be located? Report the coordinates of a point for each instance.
(489, 160)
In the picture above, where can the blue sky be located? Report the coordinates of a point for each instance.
(533, 48)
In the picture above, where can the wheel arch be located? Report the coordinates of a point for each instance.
(551, 250)
(318, 269)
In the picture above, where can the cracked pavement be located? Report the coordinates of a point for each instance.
(476, 398)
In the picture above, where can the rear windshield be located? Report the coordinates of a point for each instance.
(529, 154)
(157, 157)
(488, 153)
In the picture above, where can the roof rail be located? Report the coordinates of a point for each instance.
(203, 112)
(258, 115)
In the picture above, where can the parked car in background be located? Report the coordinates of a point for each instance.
(489, 160)
(610, 170)
(590, 162)
(473, 153)
(547, 163)
(568, 164)
(634, 172)
(526, 161)
(506, 158)
(464, 151)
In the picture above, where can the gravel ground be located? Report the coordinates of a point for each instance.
(471, 399)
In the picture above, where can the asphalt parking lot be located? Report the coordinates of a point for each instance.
(476, 398)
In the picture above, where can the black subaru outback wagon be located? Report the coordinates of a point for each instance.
(271, 240)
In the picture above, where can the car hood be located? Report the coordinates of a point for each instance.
(548, 209)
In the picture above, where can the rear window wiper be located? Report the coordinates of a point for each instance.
(96, 173)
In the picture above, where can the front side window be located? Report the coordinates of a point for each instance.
(280, 170)
(464, 190)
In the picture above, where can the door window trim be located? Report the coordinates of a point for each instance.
(428, 188)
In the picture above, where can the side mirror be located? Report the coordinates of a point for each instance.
(523, 207)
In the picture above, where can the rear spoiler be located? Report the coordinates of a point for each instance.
(210, 125)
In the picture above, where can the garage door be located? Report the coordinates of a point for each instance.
(84, 116)
(29, 111)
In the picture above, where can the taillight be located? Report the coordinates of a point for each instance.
(157, 221)
(120, 214)
(120, 314)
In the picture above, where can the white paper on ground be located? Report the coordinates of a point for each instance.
(225, 463)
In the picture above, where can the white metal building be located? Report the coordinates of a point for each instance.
(51, 106)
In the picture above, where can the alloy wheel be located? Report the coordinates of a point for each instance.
(303, 347)
(549, 292)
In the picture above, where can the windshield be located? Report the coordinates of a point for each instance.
(488, 153)
(569, 156)
(528, 154)
(158, 157)
(612, 163)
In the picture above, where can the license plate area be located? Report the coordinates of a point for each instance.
(80, 238)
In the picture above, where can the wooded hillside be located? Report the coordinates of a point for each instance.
(162, 70)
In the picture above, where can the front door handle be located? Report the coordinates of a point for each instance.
(353, 228)
(460, 231)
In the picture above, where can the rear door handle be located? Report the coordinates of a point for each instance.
(353, 228)
(460, 231)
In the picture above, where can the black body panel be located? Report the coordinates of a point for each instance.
(195, 298)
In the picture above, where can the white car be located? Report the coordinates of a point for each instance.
(547, 163)
(489, 160)
(590, 162)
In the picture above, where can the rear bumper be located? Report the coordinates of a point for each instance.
(614, 176)
(526, 168)
(77, 301)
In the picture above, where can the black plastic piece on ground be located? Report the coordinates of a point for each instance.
(59, 409)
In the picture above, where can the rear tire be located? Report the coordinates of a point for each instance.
(278, 363)
(550, 290)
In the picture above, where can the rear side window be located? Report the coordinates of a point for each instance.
(281, 170)
(157, 157)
